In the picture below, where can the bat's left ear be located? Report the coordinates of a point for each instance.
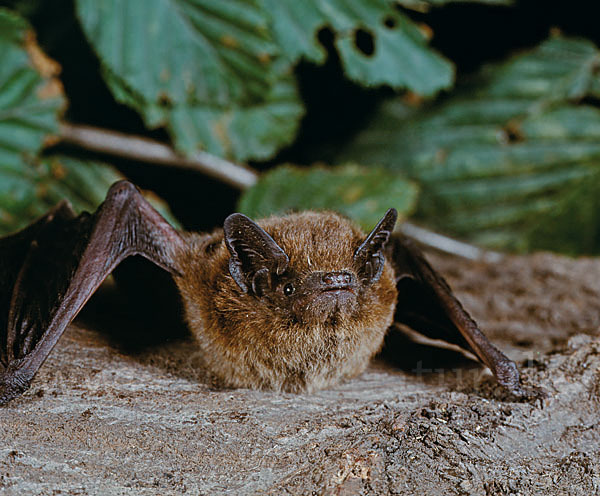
(255, 255)
(369, 257)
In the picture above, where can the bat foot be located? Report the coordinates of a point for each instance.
(11, 386)
(507, 375)
(536, 396)
(511, 387)
(520, 392)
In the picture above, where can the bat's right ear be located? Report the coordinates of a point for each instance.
(369, 256)
(255, 255)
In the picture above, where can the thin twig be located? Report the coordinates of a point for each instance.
(241, 177)
(448, 245)
(154, 152)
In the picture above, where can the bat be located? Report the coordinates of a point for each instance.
(292, 303)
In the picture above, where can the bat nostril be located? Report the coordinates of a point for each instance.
(337, 278)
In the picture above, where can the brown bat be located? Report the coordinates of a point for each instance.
(293, 303)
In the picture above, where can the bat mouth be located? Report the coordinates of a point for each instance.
(339, 290)
(338, 297)
(326, 302)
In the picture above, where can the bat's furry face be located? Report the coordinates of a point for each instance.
(296, 304)
(319, 297)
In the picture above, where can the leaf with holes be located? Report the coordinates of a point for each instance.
(511, 159)
(377, 43)
(363, 194)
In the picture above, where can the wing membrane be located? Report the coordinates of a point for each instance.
(427, 305)
(50, 270)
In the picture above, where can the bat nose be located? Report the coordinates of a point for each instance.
(337, 279)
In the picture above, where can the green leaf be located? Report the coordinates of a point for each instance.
(400, 58)
(28, 115)
(559, 69)
(12, 28)
(426, 5)
(183, 50)
(511, 159)
(30, 104)
(42, 184)
(255, 131)
(206, 70)
(29, 101)
(357, 192)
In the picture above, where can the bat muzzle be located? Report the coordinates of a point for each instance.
(338, 281)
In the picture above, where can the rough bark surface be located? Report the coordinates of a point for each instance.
(100, 420)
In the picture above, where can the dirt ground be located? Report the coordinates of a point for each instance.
(102, 419)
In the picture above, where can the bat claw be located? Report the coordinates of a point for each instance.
(523, 393)
(11, 386)
(122, 187)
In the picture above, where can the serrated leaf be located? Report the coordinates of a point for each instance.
(206, 70)
(28, 116)
(512, 159)
(42, 184)
(255, 131)
(28, 112)
(30, 105)
(357, 192)
(559, 69)
(400, 58)
(183, 50)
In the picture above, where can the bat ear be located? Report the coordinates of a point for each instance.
(369, 257)
(255, 255)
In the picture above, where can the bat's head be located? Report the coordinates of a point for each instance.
(294, 302)
(315, 268)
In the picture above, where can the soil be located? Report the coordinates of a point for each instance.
(103, 419)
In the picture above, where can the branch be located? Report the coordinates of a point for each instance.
(445, 244)
(154, 152)
(240, 177)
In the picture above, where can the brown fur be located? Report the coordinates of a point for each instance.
(248, 341)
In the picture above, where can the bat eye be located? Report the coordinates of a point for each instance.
(289, 289)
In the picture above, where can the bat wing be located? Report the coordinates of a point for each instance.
(427, 305)
(50, 269)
